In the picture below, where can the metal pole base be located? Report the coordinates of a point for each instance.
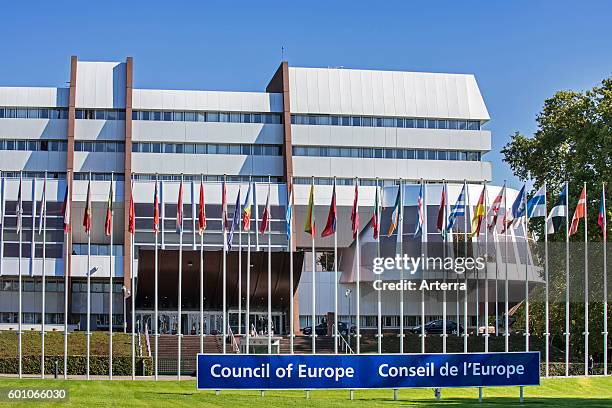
(438, 393)
(262, 393)
(395, 394)
(351, 395)
(217, 392)
(479, 394)
(521, 397)
(307, 394)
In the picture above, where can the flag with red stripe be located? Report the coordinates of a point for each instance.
(579, 212)
(355, 213)
(202, 211)
(330, 226)
(87, 212)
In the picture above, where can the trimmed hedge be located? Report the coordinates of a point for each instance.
(98, 365)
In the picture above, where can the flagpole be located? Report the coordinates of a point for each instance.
(465, 246)
(201, 271)
(110, 290)
(423, 250)
(67, 216)
(20, 233)
(586, 287)
(269, 269)
(88, 277)
(378, 292)
(248, 279)
(486, 288)
(133, 282)
(43, 210)
(444, 274)
(605, 277)
(546, 291)
(179, 224)
(567, 294)
(223, 216)
(156, 306)
(526, 334)
(290, 240)
(358, 254)
(314, 314)
(240, 276)
(400, 233)
(1, 220)
(336, 339)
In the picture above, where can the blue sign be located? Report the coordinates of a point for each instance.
(261, 372)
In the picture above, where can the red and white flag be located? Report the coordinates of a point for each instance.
(265, 217)
(179, 209)
(496, 206)
(108, 223)
(355, 213)
(66, 207)
(132, 212)
(156, 209)
(202, 211)
(579, 213)
(87, 212)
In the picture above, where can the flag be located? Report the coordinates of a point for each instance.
(265, 217)
(557, 213)
(289, 212)
(536, 206)
(66, 207)
(155, 210)
(223, 205)
(87, 212)
(246, 210)
(517, 210)
(109, 212)
(479, 213)
(309, 221)
(354, 212)
(202, 211)
(579, 212)
(394, 222)
(19, 208)
(43, 207)
(420, 216)
(496, 206)
(457, 210)
(330, 226)
(601, 219)
(132, 212)
(375, 222)
(235, 221)
(441, 221)
(179, 209)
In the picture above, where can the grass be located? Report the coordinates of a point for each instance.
(54, 344)
(554, 392)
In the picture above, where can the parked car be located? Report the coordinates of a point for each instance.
(435, 327)
(321, 329)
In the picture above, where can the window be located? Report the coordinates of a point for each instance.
(420, 123)
(356, 121)
(167, 116)
(365, 121)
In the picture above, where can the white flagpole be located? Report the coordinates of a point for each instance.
(66, 263)
(567, 281)
(201, 276)
(358, 283)
(424, 250)
(465, 245)
(526, 334)
(2, 209)
(314, 263)
(43, 210)
(486, 271)
(88, 279)
(20, 232)
(546, 289)
(506, 320)
(240, 272)
(400, 234)
(110, 290)
(378, 292)
(290, 203)
(248, 274)
(156, 278)
(605, 280)
(269, 270)
(179, 330)
(223, 216)
(586, 287)
(336, 338)
(444, 313)
(133, 288)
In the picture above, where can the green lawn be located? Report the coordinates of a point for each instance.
(54, 344)
(559, 392)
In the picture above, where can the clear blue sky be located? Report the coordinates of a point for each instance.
(520, 51)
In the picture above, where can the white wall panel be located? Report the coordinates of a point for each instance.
(154, 99)
(94, 129)
(34, 97)
(100, 84)
(33, 128)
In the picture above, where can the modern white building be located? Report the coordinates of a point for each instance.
(310, 125)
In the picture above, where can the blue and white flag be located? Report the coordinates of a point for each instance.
(289, 213)
(420, 216)
(536, 206)
(457, 210)
(518, 206)
(557, 213)
(235, 221)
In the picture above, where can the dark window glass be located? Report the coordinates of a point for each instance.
(356, 120)
(156, 148)
(399, 122)
(22, 113)
(120, 115)
(245, 149)
(178, 148)
(367, 152)
(442, 155)
(234, 149)
(179, 116)
(378, 153)
(223, 149)
(189, 148)
(111, 115)
(335, 121)
(212, 117)
(324, 120)
(461, 124)
(258, 150)
(346, 121)
(431, 155)
(201, 148)
(420, 123)
(431, 123)
(257, 118)
(156, 115)
(234, 118)
(366, 121)
(100, 114)
(145, 115)
(135, 115)
(223, 117)
(420, 154)
(99, 147)
(246, 118)
(442, 124)
(389, 153)
(167, 116)
(201, 117)
(452, 155)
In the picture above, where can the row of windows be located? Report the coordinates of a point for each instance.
(99, 176)
(328, 181)
(12, 285)
(231, 117)
(103, 114)
(97, 287)
(100, 147)
(385, 153)
(31, 318)
(33, 175)
(34, 145)
(207, 148)
(34, 113)
(370, 121)
(97, 249)
(207, 177)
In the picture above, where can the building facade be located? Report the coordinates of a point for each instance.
(309, 126)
